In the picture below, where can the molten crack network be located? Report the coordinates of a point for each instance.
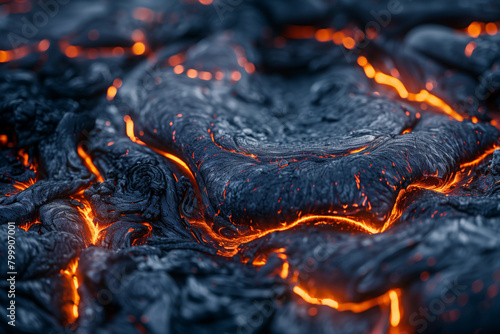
(223, 121)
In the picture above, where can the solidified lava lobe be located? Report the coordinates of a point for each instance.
(192, 166)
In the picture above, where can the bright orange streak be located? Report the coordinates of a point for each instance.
(89, 164)
(478, 160)
(88, 217)
(8, 55)
(491, 28)
(391, 81)
(316, 301)
(25, 157)
(28, 225)
(43, 45)
(286, 266)
(24, 185)
(130, 133)
(395, 313)
(129, 124)
(70, 274)
(389, 298)
(423, 96)
(358, 150)
(351, 221)
(230, 245)
(284, 271)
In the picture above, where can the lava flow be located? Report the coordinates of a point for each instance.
(229, 245)
(391, 298)
(259, 166)
(70, 278)
(423, 96)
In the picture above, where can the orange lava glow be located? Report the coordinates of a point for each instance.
(423, 96)
(69, 274)
(474, 29)
(229, 245)
(191, 73)
(479, 28)
(138, 48)
(390, 298)
(480, 158)
(130, 133)
(24, 185)
(15, 54)
(112, 92)
(26, 226)
(285, 268)
(89, 164)
(346, 37)
(88, 217)
(469, 49)
(25, 157)
(178, 69)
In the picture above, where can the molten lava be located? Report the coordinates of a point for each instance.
(69, 276)
(130, 133)
(88, 217)
(24, 185)
(423, 96)
(89, 164)
(229, 245)
(390, 298)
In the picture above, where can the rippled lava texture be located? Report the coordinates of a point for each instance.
(251, 166)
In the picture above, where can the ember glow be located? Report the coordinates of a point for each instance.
(391, 299)
(89, 164)
(422, 96)
(191, 166)
(70, 278)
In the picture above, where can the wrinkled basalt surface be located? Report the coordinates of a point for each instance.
(239, 156)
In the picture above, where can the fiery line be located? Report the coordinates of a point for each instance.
(390, 298)
(130, 133)
(70, 274)
(423, 96)
(89, 164)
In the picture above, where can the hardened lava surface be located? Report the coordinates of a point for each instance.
(250, 166)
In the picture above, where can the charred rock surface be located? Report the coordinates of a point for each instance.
(250, 167)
